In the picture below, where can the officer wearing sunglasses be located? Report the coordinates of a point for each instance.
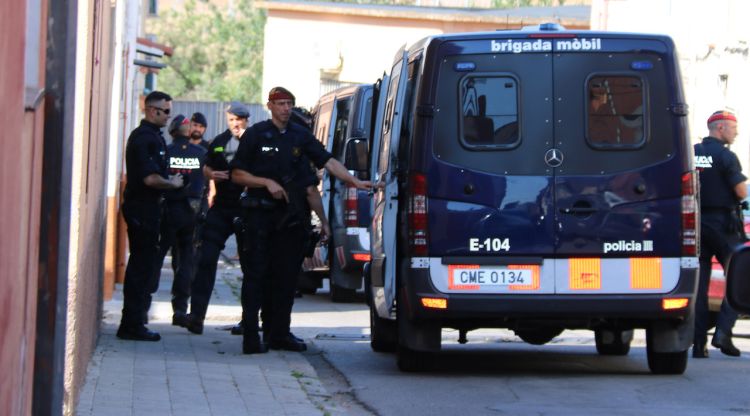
(146, 164)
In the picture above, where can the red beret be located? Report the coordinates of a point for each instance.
(721, 115)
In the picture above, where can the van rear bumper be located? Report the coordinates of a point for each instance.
(585, 310)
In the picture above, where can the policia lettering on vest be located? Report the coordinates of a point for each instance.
(268, 162)
(722, 187)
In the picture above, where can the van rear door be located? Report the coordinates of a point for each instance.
(617, 167)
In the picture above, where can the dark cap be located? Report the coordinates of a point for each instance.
(199, 118)
(238, 109)
(177, 121)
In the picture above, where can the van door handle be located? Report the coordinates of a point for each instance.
(578, 210)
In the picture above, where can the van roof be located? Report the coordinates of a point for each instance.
(535, 32)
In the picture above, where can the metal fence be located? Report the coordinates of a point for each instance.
(215, 114)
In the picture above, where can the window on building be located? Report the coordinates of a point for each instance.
(153, 7)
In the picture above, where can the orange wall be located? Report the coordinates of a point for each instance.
(19, 222)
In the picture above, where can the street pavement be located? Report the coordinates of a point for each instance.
(494, 374)
(186, 374)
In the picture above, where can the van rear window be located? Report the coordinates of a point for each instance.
(615, 112)
(489, 112)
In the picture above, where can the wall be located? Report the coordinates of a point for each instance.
(93, 80)
(19, 196)
(712, 43)
(356, 44)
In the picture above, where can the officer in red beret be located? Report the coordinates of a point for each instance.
(722, 188)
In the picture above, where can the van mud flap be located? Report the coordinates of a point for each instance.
(670, 336)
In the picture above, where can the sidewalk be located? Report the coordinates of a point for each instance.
(186, 374)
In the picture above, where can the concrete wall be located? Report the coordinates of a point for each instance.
(93, 81)
(712, 40)
(305, 43)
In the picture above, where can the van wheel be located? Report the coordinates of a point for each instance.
(383, 333)
(538, 336)
(665, 362)
(613, 342)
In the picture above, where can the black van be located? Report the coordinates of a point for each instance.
(536, 180)
(343, 123)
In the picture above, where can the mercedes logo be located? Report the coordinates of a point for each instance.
(553, 158)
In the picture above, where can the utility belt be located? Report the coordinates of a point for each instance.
(256, 202)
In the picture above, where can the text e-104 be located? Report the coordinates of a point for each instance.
(489, 244)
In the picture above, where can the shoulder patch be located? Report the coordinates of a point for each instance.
(218, 149)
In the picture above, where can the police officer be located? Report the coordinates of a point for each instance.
(722, 186)
(268, 164)
(219, 223)
(182, 207)
(198, 125)
(146, 179)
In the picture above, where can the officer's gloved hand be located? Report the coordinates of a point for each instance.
(744, 205)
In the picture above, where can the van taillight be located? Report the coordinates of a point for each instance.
(689, 209)
(350, 207)
(418, 215)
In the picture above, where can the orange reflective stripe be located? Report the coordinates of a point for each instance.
(585, 274)
(645, 273)
(534, 285)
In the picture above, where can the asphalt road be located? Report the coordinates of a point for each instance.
(498, 374)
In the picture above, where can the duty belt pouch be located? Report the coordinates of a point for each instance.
(195, 205)
(253, 202)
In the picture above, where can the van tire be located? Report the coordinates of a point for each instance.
(538, 336)
(383, 333)
(613, 342)
(664, 362)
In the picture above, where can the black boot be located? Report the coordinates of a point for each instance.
(180, 318)
(194, 324)
(290, 343)
(723, 341)
(251, 344)
(137, 333)
(700, 350)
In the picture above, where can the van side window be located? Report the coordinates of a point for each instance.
(322, 122)
(615, 112)
(341, 125)
(385, 146)
(489, 112)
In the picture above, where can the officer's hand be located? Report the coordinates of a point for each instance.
(220, 175)
(176, 180)
(276, 190)
(366, 185)
(325, 232)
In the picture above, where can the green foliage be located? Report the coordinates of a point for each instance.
(218, 54)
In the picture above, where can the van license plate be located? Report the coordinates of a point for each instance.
(471, 277)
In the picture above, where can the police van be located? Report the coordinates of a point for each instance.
(536, 180)
(343, 123)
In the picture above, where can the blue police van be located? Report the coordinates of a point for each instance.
(536, 180)
(343, 123)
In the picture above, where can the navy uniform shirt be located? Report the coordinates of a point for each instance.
(218, 158)
(186, 158)
(145, 154)
(266, 152)
(720, 172)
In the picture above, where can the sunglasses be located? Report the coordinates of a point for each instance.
(164, 110)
